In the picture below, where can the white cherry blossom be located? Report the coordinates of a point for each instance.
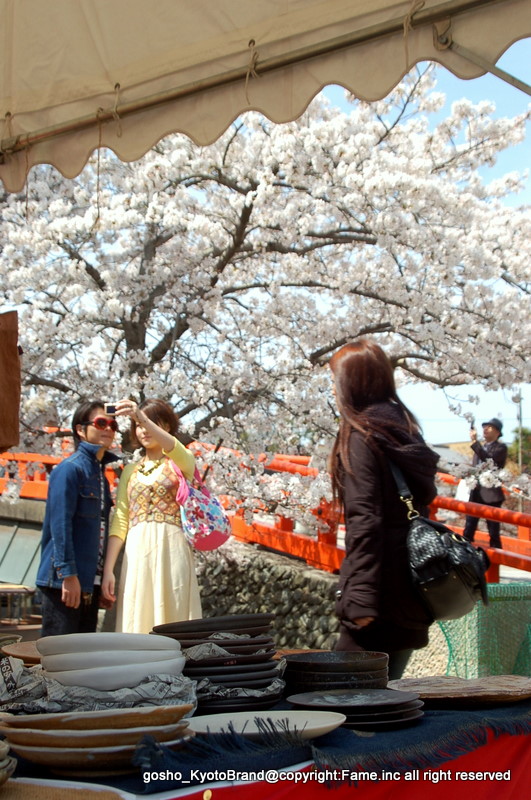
(223, 277)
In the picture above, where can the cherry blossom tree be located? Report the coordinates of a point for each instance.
(223, 277)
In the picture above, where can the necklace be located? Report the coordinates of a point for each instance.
(145, 470)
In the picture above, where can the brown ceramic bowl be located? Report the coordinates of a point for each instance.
(106, 737)
(91, 759)
(90, 720)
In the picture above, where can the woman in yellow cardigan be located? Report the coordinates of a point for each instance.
(158, 582)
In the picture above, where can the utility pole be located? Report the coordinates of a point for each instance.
(517, 398)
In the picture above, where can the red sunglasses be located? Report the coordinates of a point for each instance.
(102, 423)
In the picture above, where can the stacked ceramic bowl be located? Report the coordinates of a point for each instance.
(108, 661)
(93, 742)
(326, 670)
(243, 675)
(8, 764)
(365, 709)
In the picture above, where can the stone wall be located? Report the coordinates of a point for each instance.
(242, 579)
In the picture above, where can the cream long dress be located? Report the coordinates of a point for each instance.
(158, 583)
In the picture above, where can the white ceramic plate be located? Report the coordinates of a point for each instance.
(104, 658)
(109, 678)
(308, 724)
(86, 642)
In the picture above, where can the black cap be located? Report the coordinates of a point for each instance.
(495, 422)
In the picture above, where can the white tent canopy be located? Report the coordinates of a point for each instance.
(79, 74)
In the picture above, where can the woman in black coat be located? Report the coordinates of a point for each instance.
(376, 602)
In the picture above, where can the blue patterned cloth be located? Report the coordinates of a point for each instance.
(438, 737)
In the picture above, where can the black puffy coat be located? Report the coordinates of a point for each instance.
(374, 576)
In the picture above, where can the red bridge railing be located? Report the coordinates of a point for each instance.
(277, 532)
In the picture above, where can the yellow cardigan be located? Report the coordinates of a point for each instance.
(180, 455)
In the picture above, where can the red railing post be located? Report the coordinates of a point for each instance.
(284, 523)
(493, 573)
(328, 516)
(322, 550)
(524, 533)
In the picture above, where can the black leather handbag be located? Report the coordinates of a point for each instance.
(448, 571)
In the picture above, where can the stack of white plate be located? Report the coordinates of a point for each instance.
(108, 661)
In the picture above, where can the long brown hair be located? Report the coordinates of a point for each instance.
(363, 376)
(159, 412)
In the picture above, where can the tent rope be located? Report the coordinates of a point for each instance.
(99, 113)
(416, 5)
(8, 125)
(251, 69)
(115, 113)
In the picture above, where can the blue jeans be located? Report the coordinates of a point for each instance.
(397, 663)
(58, 619)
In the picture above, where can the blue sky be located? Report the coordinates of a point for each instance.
(431, 405)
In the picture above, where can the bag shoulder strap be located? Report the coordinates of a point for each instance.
(404, 491)
(183, 489)
(200, 484)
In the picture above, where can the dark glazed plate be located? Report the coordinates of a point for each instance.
(333, 661)
(256, 683)
(220, 676)
(295, 674)
(352, 698)
(258, 630)
(389, 714)
(237, 649)
(233, 659)
(228, 622)
(409, 718)
(192, 670)
(316, 686)
(236, 704)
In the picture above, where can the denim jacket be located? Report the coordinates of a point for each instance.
(71, 529)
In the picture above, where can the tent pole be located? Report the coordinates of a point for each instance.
(488, 67)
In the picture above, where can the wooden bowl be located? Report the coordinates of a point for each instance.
(27, 651)
(138, 717)
(7, 768)
(98, 737)
(93, 759)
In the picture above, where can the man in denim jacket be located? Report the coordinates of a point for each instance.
(75, 527)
